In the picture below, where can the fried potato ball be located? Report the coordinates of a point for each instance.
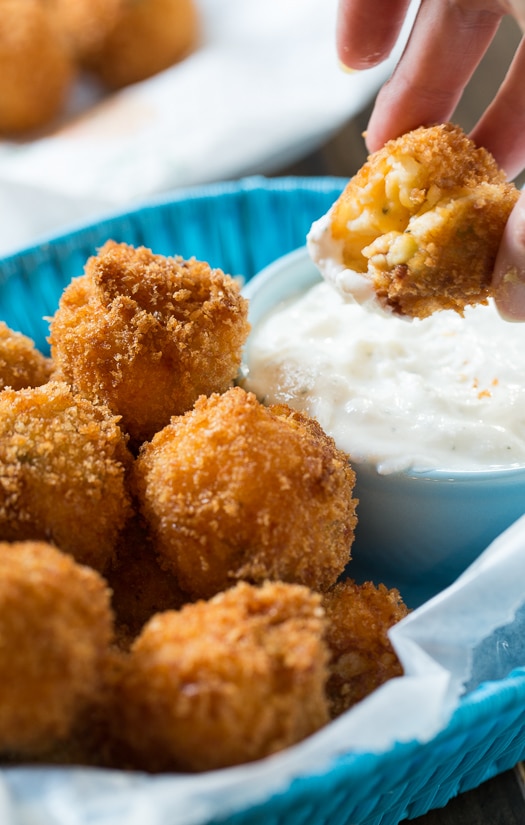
(55, 630)
(361, 655)
(235, 490)
(147, 334)
(140, 587)
(83, 24)
(224, 682)
(36, 70)
(63, 472)
(418, 227)
(146, 37)
(21, 364)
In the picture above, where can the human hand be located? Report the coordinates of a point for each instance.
(447, 42)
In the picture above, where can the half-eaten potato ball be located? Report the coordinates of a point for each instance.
(418, 227)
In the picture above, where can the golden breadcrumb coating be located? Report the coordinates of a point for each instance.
(146, 37)
(236, 490)
(36, 71)
(55, 630)
(224, 682)
(361, 655)
(146, 334)
(21, 364)
(83, 24)
(63, 472)
(423, 219)
(140, 587)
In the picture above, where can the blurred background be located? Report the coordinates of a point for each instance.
(258, 91)
(344, 152)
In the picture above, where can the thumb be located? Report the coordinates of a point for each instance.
(508, 283)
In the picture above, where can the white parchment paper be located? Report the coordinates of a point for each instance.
(447, 646)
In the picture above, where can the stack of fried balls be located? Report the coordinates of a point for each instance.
(172, 551)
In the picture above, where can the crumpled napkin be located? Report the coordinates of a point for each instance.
(447, 646)
(262, 89)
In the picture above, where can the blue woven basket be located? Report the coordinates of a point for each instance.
(241, 227)
(238, 227)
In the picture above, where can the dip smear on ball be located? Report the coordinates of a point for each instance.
(418, 227)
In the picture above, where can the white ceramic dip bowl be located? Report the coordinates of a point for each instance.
(437, 486)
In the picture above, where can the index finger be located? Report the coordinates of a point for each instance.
(367, 31)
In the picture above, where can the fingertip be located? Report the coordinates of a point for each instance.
(509, 271)
(509, 295)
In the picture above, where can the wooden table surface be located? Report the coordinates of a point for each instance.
(501, 800)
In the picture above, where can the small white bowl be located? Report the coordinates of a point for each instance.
(416, 530)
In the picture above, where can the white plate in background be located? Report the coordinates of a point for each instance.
(262, 90)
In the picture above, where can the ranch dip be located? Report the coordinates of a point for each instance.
(445, 392)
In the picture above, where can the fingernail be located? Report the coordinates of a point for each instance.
(346, 69)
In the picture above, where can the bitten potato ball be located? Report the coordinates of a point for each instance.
(235, 490)
(418, 227)
(63, 472)
(223, 682)
(55, 631)
(146, 37)
(21, 364)
(147, 334)
(362, 658)
(36, 70)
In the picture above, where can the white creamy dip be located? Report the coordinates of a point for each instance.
(441, 393)
(327, 254)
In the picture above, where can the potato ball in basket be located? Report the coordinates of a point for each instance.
(21, 364)
(235, 490)
(56, 627)
(418, 227)
(64, 465)
(147, 334)
(358, 617)
(224, 681)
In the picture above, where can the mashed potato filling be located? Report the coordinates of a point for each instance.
(418, 227)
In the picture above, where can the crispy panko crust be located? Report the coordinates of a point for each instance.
(423, 219)
(35, 68)
(63, 472)
(361, 655)
(21, 364)
(56, 626)
(235, 490)
(83, 24)
(224, 682)
(140, 587)
(147, 36)
(147, 335)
